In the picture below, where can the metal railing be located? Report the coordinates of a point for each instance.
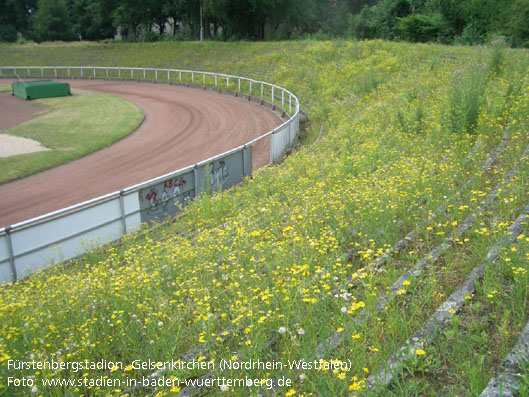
(31, 245)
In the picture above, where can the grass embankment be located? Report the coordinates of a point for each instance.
(261, 271)
(71, 127)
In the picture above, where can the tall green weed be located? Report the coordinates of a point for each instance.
(497, 58)
(466, 99)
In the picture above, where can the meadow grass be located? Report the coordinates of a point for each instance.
(261, 271)
(71, 127)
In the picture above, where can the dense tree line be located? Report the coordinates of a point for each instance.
(445, 21)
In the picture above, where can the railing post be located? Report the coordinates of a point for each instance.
(272, 95)
(180, 75)
(94, 73)
(144, 78)
(122, 209)
(119, 73)
(243, 161)
(41, 73)
(192, 77)
(282, 98)
(250, 87)
(28, 72)
(132, 74)
(262, 90)
(203, 79)
(81, 71)
(215, 80)
(227, 81)
(11, 254)
(239, 84)
(55, 70)
(68, 72)
(290, 103)
(168, 76)
(156, 75)
(195, 176)
(106, 72)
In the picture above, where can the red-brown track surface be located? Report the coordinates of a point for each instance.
(182, 126)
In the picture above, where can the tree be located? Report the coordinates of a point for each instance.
(518, 26)
(355, 6)
(92, 19)
(128, 16)
(184, 13)
(52, 21)
(380, 21)
(14, 17)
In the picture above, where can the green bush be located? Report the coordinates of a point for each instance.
(8, 33)
(423, 28)
(473, 33)
(150, 37)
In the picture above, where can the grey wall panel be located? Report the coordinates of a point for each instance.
(248, 161)
(279, 144)
(6, 274)
(292, 133)
(57, 229)
(220, 174)
(60, 252)
(132, 211)
(4, 251)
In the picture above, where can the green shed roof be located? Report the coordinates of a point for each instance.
(38, 83)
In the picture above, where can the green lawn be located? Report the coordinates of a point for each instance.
(72, 127)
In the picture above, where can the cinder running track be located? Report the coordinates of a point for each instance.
(182, 126)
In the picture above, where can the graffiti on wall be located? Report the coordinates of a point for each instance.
(166, 197)
(219, 174)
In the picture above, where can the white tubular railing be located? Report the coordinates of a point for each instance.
(61, 235)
